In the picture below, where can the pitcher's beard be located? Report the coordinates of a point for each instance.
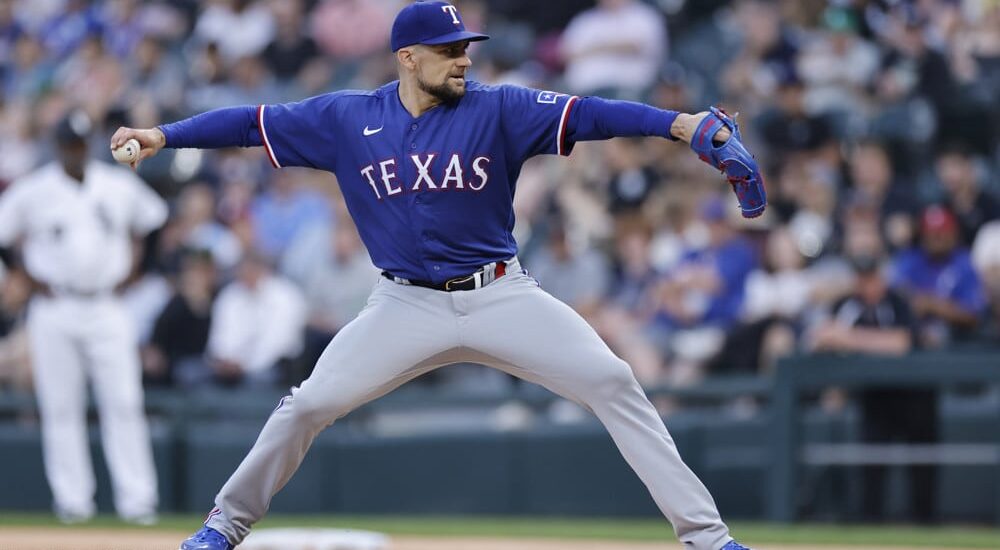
(442, 91)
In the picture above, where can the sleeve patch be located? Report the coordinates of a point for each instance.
(548, 98)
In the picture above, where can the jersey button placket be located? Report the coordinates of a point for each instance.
(426, 236)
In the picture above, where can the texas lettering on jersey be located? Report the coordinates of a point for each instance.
(452, 178)
(432, 196)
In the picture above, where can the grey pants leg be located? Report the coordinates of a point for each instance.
(510, 324)
(545, 341)
(388, 344)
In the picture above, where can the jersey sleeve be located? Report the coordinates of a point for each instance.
(534, 121)
(301, 133)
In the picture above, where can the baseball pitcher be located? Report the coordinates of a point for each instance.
(428, 166)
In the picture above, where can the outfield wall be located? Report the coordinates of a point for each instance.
(548, 470)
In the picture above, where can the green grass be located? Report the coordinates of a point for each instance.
(610, 529)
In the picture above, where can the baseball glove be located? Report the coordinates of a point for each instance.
(732, 159)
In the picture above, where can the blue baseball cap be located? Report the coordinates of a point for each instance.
(430, 23)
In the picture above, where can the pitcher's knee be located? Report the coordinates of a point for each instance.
(610, 379)
(314, 408)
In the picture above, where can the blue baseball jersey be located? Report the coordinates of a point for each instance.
(432, 196)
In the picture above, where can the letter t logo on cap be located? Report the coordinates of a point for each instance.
(453, 11)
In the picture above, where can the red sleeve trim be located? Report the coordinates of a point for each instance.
(561, 148)
(263, 135)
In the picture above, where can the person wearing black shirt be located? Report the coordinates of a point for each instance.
(875, 319)
(973, 206)
(180, 334)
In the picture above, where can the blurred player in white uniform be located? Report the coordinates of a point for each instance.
(74, 220)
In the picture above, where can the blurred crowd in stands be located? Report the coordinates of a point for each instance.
(876, 123)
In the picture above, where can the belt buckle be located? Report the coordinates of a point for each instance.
(448, 283)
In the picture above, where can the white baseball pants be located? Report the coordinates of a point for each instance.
(71, 339)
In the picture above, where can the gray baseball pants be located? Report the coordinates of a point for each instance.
(510, 324)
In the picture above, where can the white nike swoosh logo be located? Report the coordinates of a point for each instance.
(368, 132)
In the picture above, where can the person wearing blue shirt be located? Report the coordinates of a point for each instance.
(428, 167)
(285, 211)
(710, 281)
(939, 280)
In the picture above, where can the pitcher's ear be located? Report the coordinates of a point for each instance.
(406, 58)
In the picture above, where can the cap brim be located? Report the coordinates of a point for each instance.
(455, 37)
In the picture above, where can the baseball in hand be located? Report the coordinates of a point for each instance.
(126, 154)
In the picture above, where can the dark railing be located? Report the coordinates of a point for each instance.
(781, 396)
(797, 376)
(258, 403)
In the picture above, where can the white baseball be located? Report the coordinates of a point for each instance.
(127, 153)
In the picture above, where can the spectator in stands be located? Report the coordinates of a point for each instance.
(877, 320)
(813, 222)
(838, 66)
(351, 29)
(15, 357)
(967, 35)
(631, 180)
(975, 49)
(833, 274)
(767, 51)
(10, 30)
(240, 28)
(571, 271)
(208, 72)
(914, 84)
(284, 209)
(624, 321)
(874, 183)
(939, 281)
(959, 177)
(676, 231)
(244, 80)
(777, 294)
(257, 325)
(194, 226)
(122, 26)
(155, 76)
(75, 23)
(28, 73)
(787, 127)
(337, 287)
(94, 79)
(703, 296)
(176, 350)
(615, 48)
(986, 258)
(145, 292)
(292, 48)
(675, 89)
(249, 81)
(21, 150)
